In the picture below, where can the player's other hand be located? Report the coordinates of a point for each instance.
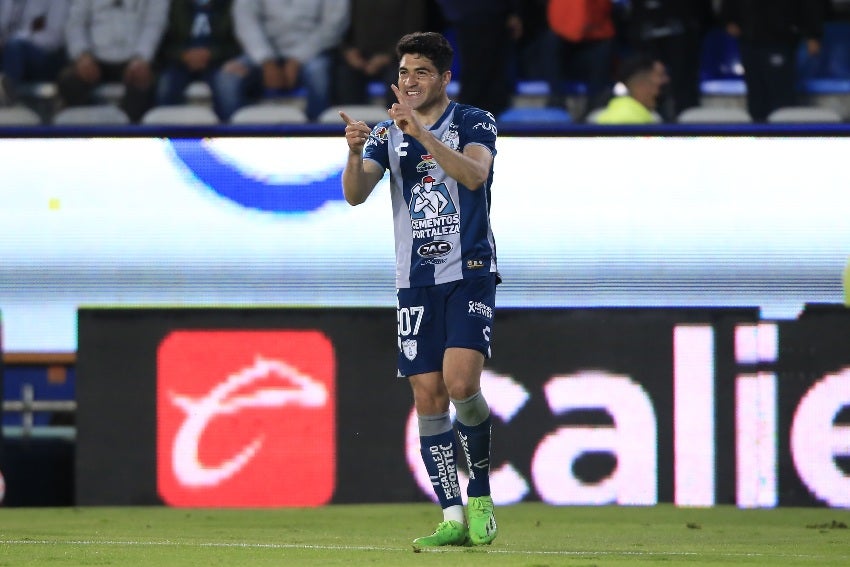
(356, 133)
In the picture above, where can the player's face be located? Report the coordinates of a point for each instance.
(420, 83)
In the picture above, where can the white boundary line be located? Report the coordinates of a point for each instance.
(575, 553)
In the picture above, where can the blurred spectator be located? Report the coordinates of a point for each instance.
(533, 46)
(672, 31)
(32, 42)
(113, 41)
(769, 32)
(198, 40)
(833, 60)
(367, 53)
(641, 78)
(485, 33)
(583, 47)
(286, 44)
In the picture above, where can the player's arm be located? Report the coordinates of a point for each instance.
(359, 176)
(471, 168)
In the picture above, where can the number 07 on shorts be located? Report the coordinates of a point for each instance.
(431, 319)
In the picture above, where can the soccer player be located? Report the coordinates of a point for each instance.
(440, 156)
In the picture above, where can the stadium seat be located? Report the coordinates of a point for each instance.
(100, 115)
(109, 92)
(198, 92)
(180, 114)
(269, 114)
(803, 114)
(723, 87)
(720, 56)
(368, 113)
(721, 71)
(40, 90)
(19, 116)
(534, 116)
(714, 115)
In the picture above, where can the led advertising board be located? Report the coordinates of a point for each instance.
(302, 407)
(666, 221)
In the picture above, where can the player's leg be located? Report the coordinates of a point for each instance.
(439, 454)
(473, 429)
(470, 318)
(421, 341)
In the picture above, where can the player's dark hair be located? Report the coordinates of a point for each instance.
(428, 44)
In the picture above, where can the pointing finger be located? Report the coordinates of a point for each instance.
(346, 117)
(397, 92)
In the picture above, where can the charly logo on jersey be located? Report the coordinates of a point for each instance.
(427, 164)
(214, 164)
(432, 212)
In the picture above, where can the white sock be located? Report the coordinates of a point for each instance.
(454, 513)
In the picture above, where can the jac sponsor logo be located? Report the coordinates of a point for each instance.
(245, 418)
(434, 249)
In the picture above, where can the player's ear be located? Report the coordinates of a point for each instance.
(447, 78)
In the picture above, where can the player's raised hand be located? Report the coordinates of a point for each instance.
(356, 133)
(402, 115)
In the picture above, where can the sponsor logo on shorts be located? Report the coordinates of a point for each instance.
(480, 309)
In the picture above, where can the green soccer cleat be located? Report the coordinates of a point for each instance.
(449, 532)
(482, 522)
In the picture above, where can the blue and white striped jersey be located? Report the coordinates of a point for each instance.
(442, 228)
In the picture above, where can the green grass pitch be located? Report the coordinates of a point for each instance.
(531, 535)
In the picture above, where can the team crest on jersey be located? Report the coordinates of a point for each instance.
(409, 348)
(451, 138)
(427, 164)
(432, 212)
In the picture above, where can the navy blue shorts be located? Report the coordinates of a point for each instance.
(431, 319)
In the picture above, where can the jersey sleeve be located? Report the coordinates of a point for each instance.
(377, 145)
(480, 128)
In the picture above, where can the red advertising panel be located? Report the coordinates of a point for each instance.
(245, 418)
